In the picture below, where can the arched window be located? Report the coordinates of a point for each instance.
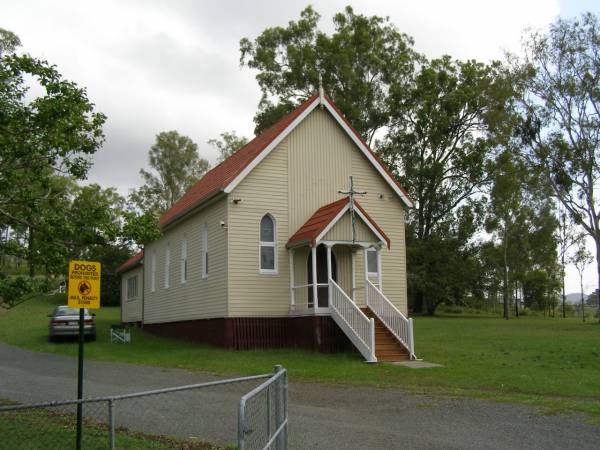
(268, 245)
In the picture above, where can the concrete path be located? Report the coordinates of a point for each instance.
(321, 416)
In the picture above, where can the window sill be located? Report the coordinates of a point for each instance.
(268, 272)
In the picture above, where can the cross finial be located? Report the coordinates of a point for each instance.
(351, 193)
(321, 91)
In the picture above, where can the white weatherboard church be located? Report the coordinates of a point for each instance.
(296, 240)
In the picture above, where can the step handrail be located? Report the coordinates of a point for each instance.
(354, 323)
(393, 319)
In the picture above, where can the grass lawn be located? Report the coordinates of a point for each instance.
(553, 363)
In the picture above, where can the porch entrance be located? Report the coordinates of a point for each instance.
(322, 276)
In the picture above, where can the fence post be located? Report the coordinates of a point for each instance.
(284, 388)
(111, 425)
(241, 425)
(278, 408)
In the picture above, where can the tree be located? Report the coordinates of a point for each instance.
(227, 144)
(561, 115)
(176, 166)
(358, 63)
(9, 41)
(505, 204)
(443, 131)
(581, 259)
(52, 129)
(568, 236)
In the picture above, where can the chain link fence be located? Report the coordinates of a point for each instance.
(263, 415)
(158, 419)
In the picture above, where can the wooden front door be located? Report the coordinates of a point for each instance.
(322, 291)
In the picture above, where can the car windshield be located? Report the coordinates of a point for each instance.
(66, 311)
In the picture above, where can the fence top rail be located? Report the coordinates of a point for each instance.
(260, 387)
(137, 394)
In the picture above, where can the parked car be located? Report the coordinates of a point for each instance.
(64, 322)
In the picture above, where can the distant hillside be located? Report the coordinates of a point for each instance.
(575, 297)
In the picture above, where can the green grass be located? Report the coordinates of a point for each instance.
(44, 428)
(549, 362)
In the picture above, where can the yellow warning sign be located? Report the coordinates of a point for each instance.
(84, 284)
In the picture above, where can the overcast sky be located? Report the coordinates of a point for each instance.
(152, 66)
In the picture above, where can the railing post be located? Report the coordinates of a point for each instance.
(410, 336)
(372, 339)
(111, 425)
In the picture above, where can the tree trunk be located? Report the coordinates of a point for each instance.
(582, 303)
(597, 240)
(30, 253)
(505, 275)
(563, 286)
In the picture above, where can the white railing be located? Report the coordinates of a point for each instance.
(353, 322)
(392, 318)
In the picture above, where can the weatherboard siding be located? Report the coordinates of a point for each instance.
(386, 209)
(198, 297)
(131, 309)
(321, 158)
(304, 172)
(264, 190)
(342, 230)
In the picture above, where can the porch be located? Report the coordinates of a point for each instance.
(336, 270)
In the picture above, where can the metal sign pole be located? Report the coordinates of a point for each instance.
(80, 379)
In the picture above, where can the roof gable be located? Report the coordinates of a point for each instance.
(323, 220)
(227, 175)
(132, 262)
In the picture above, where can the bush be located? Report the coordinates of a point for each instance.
(451, 309)
(12, 289)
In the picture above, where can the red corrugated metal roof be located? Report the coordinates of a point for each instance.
(131, 262)
(314, 226)
(217, 179)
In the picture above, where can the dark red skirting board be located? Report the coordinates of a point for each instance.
(318, 333)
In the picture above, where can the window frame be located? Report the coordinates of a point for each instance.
(272, 244)
(167, 266)
(132, 281)
(369, 273)
(205, 251)
(183, 270)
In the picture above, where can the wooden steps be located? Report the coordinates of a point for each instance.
(387, 347)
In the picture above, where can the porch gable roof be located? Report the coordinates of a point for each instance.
(326, 217)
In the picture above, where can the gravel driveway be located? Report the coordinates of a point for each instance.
(321, 416)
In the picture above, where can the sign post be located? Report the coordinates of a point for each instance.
(84, 292)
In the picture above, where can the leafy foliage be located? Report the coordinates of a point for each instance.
(358, 63)
(227, 144)
(176, 166)
(560, 109)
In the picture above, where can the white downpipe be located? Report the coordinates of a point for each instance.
(353, 266)
(314, 279)
(292, 291)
